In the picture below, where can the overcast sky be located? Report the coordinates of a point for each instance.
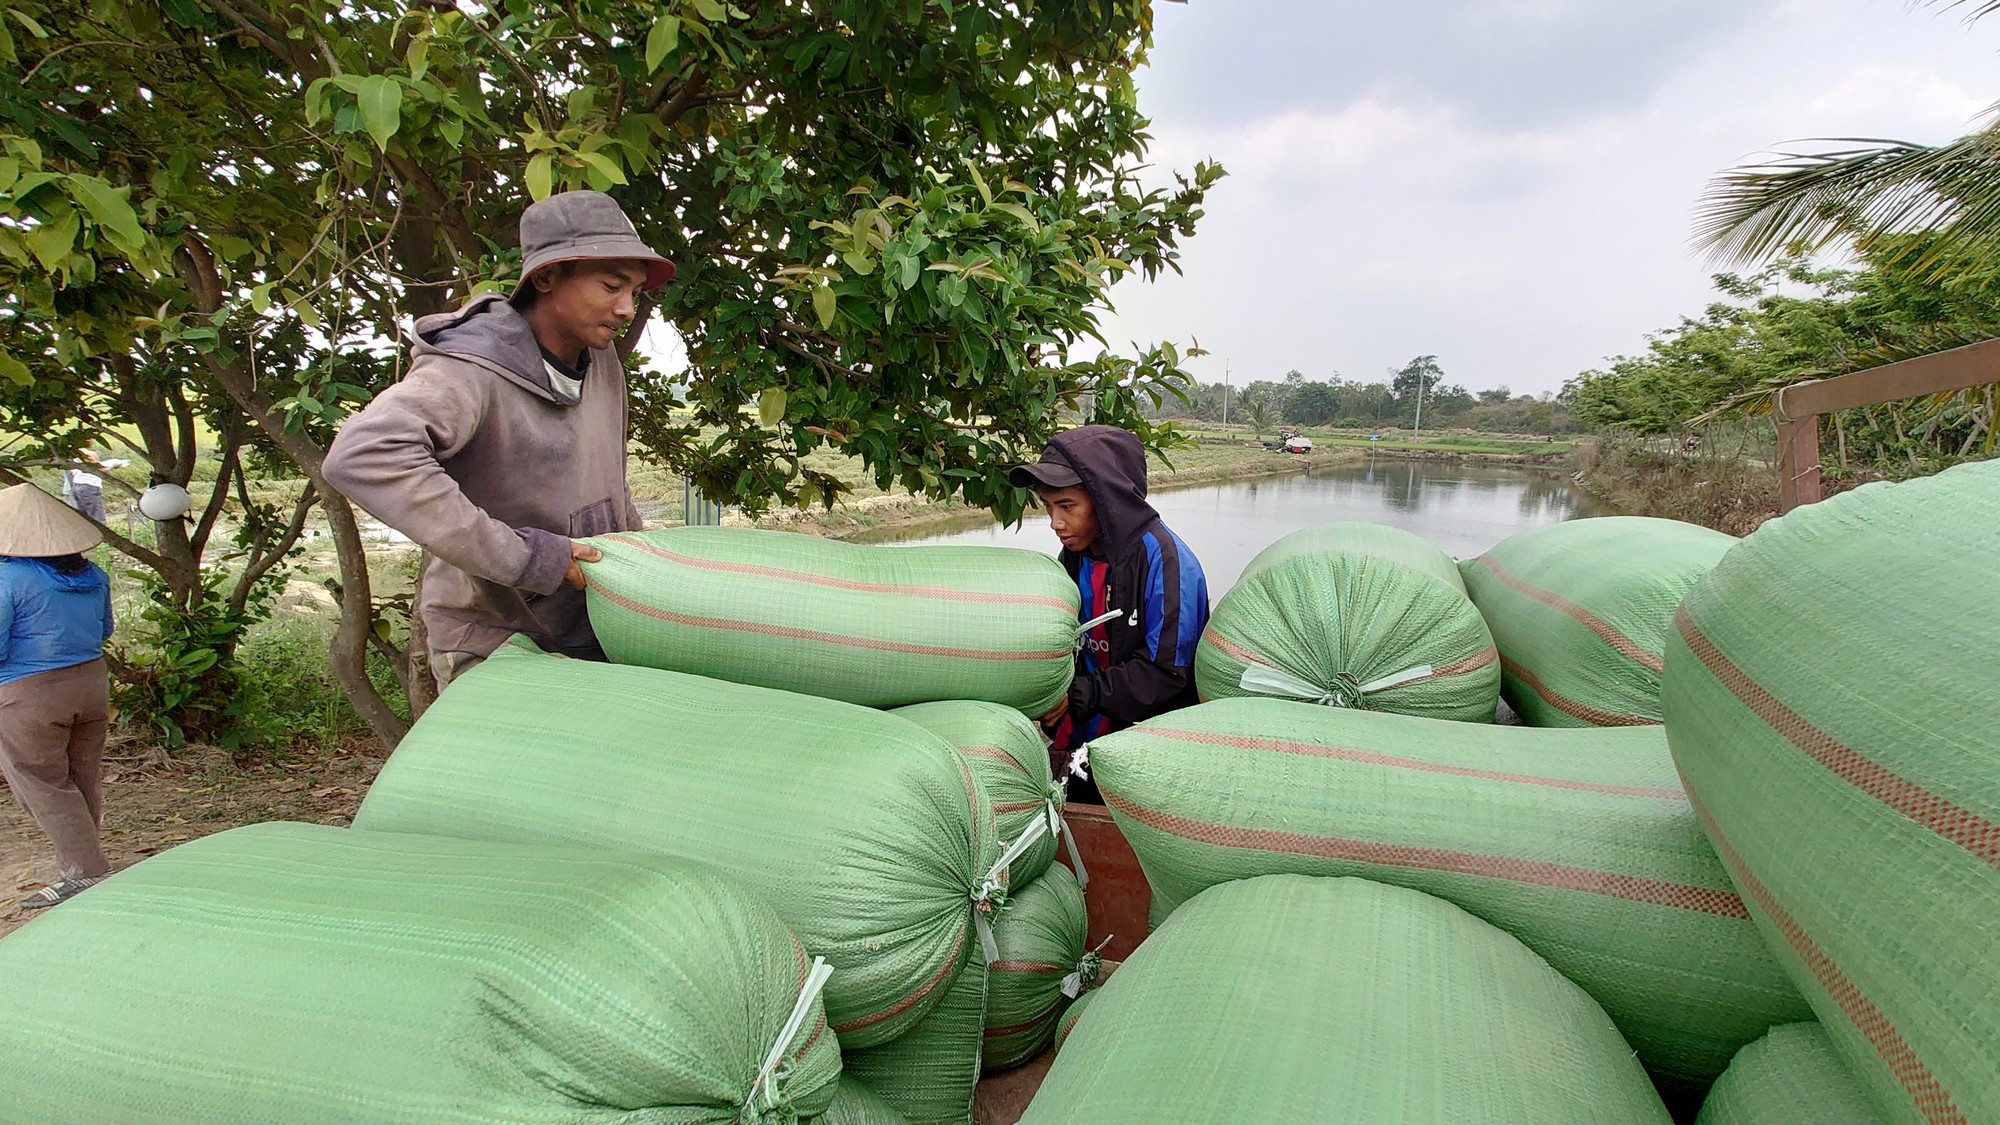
(1506, 184)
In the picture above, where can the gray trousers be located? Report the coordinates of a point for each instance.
(52, 755)
(88, 499)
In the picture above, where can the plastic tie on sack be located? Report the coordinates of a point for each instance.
(1058, 796)
(1083, 630)
(992, 890)
(1086, 971)
(1345, 691)
(774, 1071)
(1079, 762)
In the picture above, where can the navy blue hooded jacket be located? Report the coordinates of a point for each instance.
(1141, 663)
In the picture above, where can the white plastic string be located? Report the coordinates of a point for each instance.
(982, 898)
(1264, 680)
(766, 1082)
(1083, 630)
(1086, 970)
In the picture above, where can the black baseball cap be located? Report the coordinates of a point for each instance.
(1051, 472)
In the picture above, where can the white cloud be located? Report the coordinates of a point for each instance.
(1368, 221)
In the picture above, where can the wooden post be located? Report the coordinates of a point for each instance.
(1798, 462)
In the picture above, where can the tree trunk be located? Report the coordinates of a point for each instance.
(348, 652)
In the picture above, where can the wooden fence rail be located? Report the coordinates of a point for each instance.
(1798, 407)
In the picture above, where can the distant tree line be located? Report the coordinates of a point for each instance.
(1294, 399)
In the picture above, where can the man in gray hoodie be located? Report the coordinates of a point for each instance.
(506, 441)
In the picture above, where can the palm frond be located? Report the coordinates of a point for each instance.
(1984, 7)
(1865, 193)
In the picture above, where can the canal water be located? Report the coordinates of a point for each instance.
(1462, 509)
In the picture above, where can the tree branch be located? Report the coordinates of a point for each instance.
(268, 558)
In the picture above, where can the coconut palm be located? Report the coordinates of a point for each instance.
(1867, 191)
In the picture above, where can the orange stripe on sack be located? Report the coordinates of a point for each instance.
(790, 633)
(819, 1028)
(1238, 652)
(1025, 967)
(1960, 825)
(995, 754)
(1038, 1021)
(1617, 640)
(782, 575)
(1631, 888)
(1930, 1096)
(1370, 757)
(914, 998)
(1569, 706)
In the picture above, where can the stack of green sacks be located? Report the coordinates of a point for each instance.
(867, 834)
(1352, 615)
(1581, 611)
(1580, 843)
(290, 972)
(1829, 697)
(879, 626)
(1288, 1000)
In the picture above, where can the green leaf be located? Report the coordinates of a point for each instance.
(824, 303)
(771, 406)
(7, 45)
(28, 22)
(110, 209)
(381, 99)
(52, 242)
(663, 40)
(10, 171)
(14, 371)
(260, 298)
(711, 10)
(452, 129)
(605, 165)
(419, 57)
(541, 171)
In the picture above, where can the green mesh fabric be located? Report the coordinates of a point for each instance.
(1830, 698)
(1581, 611)
(1010, 758)
(856, 1104)
(879, 626)
(931, 1074)
(866, 833)
(1070, 1015)
(1792, 1076)
(1353, 615)
(1040, 934)
(299, 973)
(1287, 1000)
(1578, 842)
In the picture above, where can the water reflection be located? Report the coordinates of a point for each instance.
(1463, 509)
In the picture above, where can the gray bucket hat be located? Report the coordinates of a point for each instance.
(575, 226)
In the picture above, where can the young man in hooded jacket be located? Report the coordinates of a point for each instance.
(1139, 582)
(506, 442)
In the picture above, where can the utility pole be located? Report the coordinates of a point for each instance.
(1418, 431)
(1225, 393)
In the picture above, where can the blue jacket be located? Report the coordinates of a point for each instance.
(50, 620)
(1141, 663)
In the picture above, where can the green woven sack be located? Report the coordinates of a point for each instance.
(1010, 758)
(1352, 615)
(1042, 965)
(866, 833)
(931, 1074)
(1577, 842)
(1790, 1077)
(1070, 1015)
(1288, 1000)
(299, 973)
(855, 1104)
(1830, 698)
(1581, 610)
(879, 626)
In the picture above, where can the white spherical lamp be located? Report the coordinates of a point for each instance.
(165, 502)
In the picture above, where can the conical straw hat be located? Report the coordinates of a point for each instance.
(35, 525)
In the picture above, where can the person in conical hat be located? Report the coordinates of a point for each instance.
(55, 615)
